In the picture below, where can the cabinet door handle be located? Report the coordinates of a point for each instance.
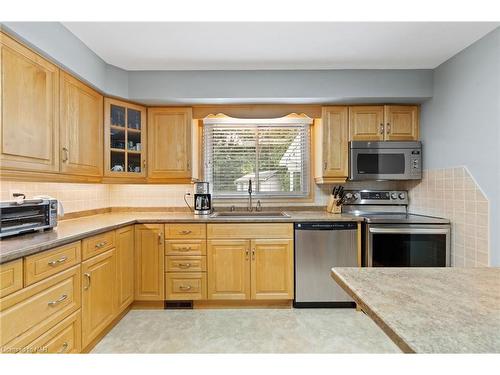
(388, 128)
(64, 347)
(101, 244)
(184, 232)
(144, 163)
(184, 248)
(56, 262)
(324, 166)
(184, 287)
(65, 154)
(246, 254)
(184, 265)
(58, 301)
(87, 275)
(253, 254)
(381, 128)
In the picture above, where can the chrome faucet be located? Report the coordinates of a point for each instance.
(250, 208)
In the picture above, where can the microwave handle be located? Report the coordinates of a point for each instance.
(410, 230)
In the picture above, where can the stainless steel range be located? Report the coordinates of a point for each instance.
(393, 237)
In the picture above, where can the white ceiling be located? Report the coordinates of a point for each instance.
(291, 45)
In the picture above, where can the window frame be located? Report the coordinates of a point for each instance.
(302, 120)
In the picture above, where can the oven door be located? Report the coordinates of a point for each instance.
(383, 164)
(392, 245)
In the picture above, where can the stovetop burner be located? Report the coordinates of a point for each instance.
(384, 207)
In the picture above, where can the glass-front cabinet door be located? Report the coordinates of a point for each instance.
(125, 137)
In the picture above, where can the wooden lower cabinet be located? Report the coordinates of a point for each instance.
(272, 269)
(11, 277)
(228, 266)
(65, 337)
(149, 262)
(124, 267)
(32, 311)
(98, 304)
(244, 269)
(185, 286)
(40, 266)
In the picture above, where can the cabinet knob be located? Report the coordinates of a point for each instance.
(381, 128)
(388, 128)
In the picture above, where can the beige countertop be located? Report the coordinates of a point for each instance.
(430, 310)
(75, 229)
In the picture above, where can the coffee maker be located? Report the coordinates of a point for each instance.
(202, 199)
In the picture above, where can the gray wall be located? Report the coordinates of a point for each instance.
(56, 42)
(460, 125)
(280, 86)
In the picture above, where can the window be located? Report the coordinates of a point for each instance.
(272, 153)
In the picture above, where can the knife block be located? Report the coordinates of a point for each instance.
(332, 207)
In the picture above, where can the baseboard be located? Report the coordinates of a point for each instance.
(242, 304)
(148, 305)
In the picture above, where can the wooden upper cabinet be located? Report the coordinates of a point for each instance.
(331, 136)
(149, 262)
(81, 124)
(401, 123)
(228, 269)
(125, 139)
(272, 269)
(29, 122)
(384, 123)
(169, 143)
(366, 123)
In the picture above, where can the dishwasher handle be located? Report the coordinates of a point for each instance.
(326, 225)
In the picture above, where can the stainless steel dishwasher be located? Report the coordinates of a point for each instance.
(319, 246)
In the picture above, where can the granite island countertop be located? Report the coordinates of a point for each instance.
(430, 310)
(67, 231)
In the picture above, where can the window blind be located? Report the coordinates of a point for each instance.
(275, 157)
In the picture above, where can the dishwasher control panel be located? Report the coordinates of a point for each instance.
(326, 225)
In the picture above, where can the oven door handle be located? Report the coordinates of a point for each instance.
(410, 230)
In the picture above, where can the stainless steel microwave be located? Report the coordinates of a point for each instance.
(389, 160)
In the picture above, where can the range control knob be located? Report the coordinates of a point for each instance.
(356, 196)
(402, 196)
(394, 196)
(348, 196)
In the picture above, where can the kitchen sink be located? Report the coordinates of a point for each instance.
(246, 214)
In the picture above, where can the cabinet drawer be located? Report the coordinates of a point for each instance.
(191, 247)
(98, 244)
(11, 277)
(178, 263)
(65, 337)
(264, 230)
(178, 231)
(40, 266)
(186, 286)
(28, 313)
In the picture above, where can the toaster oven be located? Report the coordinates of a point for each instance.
(27, 216)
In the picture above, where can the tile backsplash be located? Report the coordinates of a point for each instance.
(465, 204)
(74, 197)
(454, 194)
